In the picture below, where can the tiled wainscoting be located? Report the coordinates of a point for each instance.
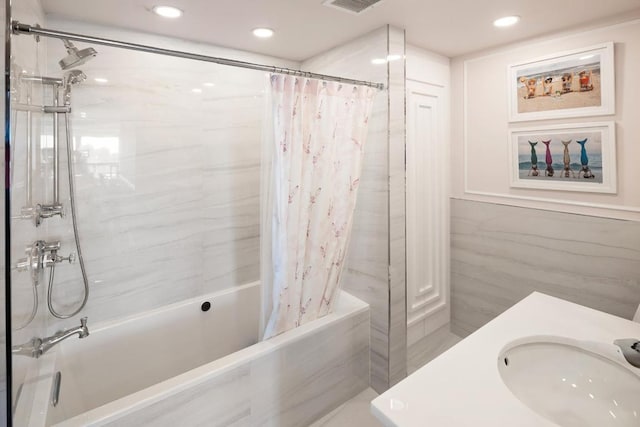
(500, 254)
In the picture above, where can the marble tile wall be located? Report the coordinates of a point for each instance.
(397, 225)
(375, 264)
(28, 57)
(367, 275)
(500, 254)
(168, 173)
(292, 386)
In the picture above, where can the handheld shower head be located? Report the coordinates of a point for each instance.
(75, 56)
(71, 78)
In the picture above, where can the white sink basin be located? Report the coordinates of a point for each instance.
(572, 383)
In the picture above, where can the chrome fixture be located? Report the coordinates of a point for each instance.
(44, 211)
(39, 346)
(39, 256)
(630, 350)
(36, 259)
(71, 78)
(41, 212)
(75, 56)
(19, 28)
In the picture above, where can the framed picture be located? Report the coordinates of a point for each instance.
(576, 157)
(568, 84)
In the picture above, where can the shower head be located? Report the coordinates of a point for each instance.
(75, 56)
(73, 77)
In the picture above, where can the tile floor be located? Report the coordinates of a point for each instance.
(430, 347)
(353, 413)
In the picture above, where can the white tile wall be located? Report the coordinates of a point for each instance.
(28, 58)
(167, 179)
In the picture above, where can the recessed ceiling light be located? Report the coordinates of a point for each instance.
(506, 21)
(83, 115)
(208, 84)
(393, 57)
(263, 33)
(101, 80)
(196, 90)
(378, 61)
(167, 11)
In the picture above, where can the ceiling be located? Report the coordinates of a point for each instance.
(305, 28)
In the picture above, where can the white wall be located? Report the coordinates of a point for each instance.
(426, 66)
(427, 163)
(479, 162)
(507, 243)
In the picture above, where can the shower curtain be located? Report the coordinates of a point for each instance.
(312, 161)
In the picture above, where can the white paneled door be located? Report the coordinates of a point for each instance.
(427, 210)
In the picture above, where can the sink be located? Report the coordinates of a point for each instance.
(572, 383)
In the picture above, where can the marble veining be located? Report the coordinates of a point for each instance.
(427, 348)
(168, 179)
(28, 58)
(397, 226)
(292, 386)
(500, 254)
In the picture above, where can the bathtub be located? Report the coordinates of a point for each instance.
(181, 365)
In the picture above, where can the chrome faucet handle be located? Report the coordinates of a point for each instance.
(84, 329)
(71, 259)
(51, 246)
(47, 211)
(630, 348)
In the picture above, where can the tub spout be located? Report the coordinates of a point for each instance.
(82, 331)
(37, 347)
(30, 349)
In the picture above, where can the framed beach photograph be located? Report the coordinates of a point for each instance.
(577, 83)
(576, 157)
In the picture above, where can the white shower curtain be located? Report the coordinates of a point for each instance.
(312, 161)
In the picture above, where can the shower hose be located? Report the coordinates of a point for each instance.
(76, 235)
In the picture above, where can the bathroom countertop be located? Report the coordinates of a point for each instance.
(462, 387)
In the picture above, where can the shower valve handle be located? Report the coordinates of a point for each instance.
(71, 258)
(54, 258)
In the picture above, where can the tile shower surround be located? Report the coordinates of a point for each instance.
(168, 180)
(176, 211)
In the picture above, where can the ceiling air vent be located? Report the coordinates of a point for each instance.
(351, 6)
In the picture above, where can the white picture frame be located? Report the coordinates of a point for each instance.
(576, 83)
(568, 168)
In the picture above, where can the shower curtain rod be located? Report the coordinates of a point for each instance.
(19, 28)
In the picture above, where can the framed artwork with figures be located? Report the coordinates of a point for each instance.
(577, 83)
(576, 157)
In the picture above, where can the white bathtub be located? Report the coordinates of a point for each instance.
(180, 365)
